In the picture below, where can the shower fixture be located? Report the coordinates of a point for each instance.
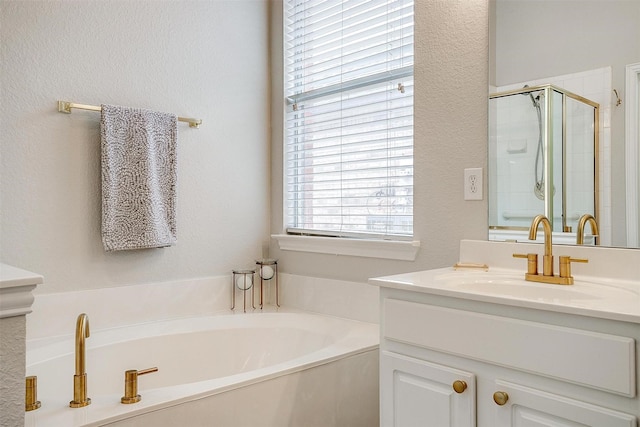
(565, 159)
(538, 188)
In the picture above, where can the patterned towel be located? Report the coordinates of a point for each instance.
(138, 178)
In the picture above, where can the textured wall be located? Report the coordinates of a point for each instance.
(12, 383)
(206, 59)
(451, 75)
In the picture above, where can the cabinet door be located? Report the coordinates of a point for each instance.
(416, 393)
(534, 408)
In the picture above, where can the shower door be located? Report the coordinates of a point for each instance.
(543, 149)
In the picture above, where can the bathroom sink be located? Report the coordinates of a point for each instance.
(513, 285)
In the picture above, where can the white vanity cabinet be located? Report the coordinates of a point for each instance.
(416, 392)
(447, 361)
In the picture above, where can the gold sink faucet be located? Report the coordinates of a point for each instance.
(547, 260)
(80, 398)
(581, 223)
(547, 276)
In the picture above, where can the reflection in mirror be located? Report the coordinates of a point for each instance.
(542, 140)
(632, 153)
(581, 46)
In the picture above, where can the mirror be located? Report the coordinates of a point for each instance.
(583, 47)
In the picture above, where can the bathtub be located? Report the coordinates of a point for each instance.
(281, 368)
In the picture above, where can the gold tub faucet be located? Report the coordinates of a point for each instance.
(581, 223)
(80, 398)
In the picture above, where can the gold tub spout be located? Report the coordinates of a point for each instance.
(547, 260)
(581, 223)
(80, 398)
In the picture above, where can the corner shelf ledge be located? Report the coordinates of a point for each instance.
(15, 290)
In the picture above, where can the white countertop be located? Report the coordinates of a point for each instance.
(593, 295)
(615, 300)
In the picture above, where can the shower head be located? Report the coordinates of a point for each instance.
(533, 100)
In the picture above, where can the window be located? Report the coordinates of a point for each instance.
(349, 119)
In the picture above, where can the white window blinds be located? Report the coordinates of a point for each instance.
(349, 121)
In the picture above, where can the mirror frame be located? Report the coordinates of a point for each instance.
(632, 152)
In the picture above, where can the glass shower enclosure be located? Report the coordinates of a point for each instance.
(543, 159)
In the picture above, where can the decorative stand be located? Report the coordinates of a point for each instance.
(243, 280)
(267, 270)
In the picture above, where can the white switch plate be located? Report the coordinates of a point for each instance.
(473, 184)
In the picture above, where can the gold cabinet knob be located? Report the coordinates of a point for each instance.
(500, 397)
(459, 386)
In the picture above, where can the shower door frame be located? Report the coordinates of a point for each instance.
(548, 158)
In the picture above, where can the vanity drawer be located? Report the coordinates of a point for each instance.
(601, 361)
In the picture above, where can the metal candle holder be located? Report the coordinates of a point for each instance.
(272, 264)
(243, 280)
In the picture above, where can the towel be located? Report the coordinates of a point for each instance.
(138, 178)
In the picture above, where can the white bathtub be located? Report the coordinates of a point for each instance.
(258, 369)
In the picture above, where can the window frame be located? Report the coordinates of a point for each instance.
(300, 238)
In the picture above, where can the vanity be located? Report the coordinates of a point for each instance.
(474, 347)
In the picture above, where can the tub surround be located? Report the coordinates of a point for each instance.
(15, 302)
(115, 311)
(226, 354)
(566, 354)
(55, 314)
(342, 298)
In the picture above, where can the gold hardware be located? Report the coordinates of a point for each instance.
(66, 106)
(31, 402)
(547, 260)
(470, 265)
(500, 397)
(131, 385)
(532, 262)
(547, 275)
(618, 100)
(459, 386)
(581, 223)
(80, 398)
(565, 266)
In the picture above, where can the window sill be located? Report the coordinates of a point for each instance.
(388, 249)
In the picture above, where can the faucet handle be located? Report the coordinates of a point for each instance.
(532, 262)
(131, 384)
(31, 394)
(565, 265)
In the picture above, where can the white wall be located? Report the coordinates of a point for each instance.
(451, 75)
(208, 59)
(205, 59)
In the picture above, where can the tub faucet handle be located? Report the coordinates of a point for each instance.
(31, 402)
(131, 384)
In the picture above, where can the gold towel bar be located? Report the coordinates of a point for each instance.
(66, 106)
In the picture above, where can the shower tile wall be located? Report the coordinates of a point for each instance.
(515, 156)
